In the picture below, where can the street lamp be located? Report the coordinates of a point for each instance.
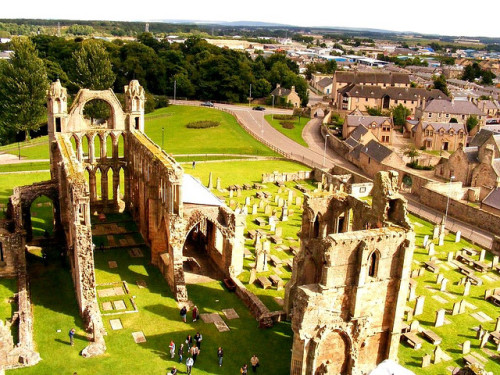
(273, 107)
(448, 200)
(324, 150)
(175, 89)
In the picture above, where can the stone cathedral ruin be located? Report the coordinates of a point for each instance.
(349, 280)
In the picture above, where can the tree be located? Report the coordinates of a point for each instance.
(412, 153)
(440, 84)
(23, 85)
(93, 70)
(374, 111)
(471, 123)
(399, 114)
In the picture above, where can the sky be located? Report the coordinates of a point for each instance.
(445, 17)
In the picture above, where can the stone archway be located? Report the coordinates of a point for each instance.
(332, 354)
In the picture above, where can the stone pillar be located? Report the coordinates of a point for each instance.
(92, 187)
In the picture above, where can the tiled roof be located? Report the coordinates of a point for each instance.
(446, 126)
(372, 77)
(366, 121)
(457, 107)
(376, 151)
(281, 91)
(493, 199)
(472, 154)
(358, 132)
(327, 81)
(395, 93)
(351, 142)
(480, 137)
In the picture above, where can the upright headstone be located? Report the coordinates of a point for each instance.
(456, 309)
(444, 282)
(245, 210)
(231, 193)
(414, 326)
(431, 251)
(281, 202)
(440, 278)
(298, 201)
(247, 201)
(276, 199)
(466, 288)
(497, 325)
(253, 275)
(267, 210)
(426, 360)
(210, 181)
(426, 239)
(419, 306)
(466, 347)
(435, 232)
(218, 187)
(484, 339)
(450, 256)
(441, 239)
(461, 306)
(262, 257)
(330, 188)
(272, 226)
(261, 204)
(284, 212)
(439, 318)
(254, 209)
(278, 231)
(438, 354)
(290, 196)
(458, 235)
(320, 186)
(238, 192)
(479, 332)
(409, 315)
(494, 262)
(482, 254)
(413, 290)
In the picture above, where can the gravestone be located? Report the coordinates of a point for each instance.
(426, 360)
(112, 264)
(497, 325)
(278, 232)
(431, 250)
(298, 201)
(262, 257)
(409, 315)
(458, 235)
(261, 204)
(231, 193)
(290, 196)
(247, 201)
(461, 306)
(267, 210)
(419, 306)
(480, 332)
(320, 186)
(238, 193)
(115, 324)
(450, 256)
(426, 240)
(254, 209)
(210, 181)
(494, 262)
(253, 275)
(272, 226)
(276, 198)
(466, 347)
(281, 202)
(245, 210)
(435, 232)
(414, 326)
(466, 288)
(438, 355)
(440, 278)
(456, 308)
(414, 274)
(421, 271)
(439, 318)
(482, 254)
(441, 239)
(443, 285)
(139, 337)
(218, 184)
(330, 188)
(413, 290)
(284, 212)
(484, 339)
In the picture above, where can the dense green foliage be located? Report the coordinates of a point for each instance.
(474, 71)
(202, 124)
(440, 84)
(400, 114)
(471, 123)
(23, 85)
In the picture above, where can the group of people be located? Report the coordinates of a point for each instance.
(195, 313)
(193, 345)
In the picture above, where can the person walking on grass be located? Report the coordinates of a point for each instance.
(220, 354)
(254, 362)
(189, 341)
(183, 313)
(189, 365)
(195, 313)
(172, 349)
(71, 336)
(244, 369)
(198, 338)
(181, 352)
(194, 352)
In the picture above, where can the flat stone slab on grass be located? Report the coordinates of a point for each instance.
(136, 253)
(449, 295)
(481, 316)
(209, 318)
(115, 324)
(108, 292)
(139, 337)
(112, 264)
(230, 314)
(119, 291)
(488, 278)
(479, 357)
(119, 305)
(141, 284)
(221, 326)
(107, 306)
(440, 299)
(470, 306)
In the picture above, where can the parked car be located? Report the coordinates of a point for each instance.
(207, 104)
(258, 108)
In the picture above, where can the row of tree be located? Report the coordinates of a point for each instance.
(195, 68)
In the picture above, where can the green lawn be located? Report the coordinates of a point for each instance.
(158, 317)
(37, 166)
(8, 287)
(295, 133)
(37, 148)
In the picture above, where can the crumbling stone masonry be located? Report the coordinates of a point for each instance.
(349, 281)
(145, 180)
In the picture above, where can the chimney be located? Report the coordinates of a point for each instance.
(293, 88)
(278, 85)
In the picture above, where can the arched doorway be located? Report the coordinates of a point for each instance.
(99, 113)
(332, 354)
(203, 249)
(42, 217)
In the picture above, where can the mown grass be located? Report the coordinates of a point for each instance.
(295, 133)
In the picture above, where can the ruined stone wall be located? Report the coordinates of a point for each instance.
(284, 176)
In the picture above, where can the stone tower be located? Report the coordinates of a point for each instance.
(349, 281)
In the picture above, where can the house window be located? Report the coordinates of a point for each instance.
(362, 189)
(447, 115)
(429, 115)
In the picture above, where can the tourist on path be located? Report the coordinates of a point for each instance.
(189, 365)
(71, 336)
(172, 349)
(220, 354)
(189, 341)
(195, 313)
(198, 338)
(255, 362)
(244, 369)
(194, 164)
(181, 352)
(194, 352)
(183, 313)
